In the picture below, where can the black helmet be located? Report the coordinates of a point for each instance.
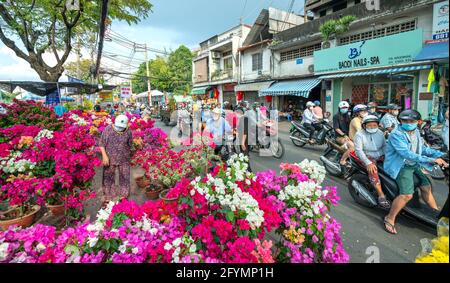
(370, 118)
(409, 115)
(393, 106)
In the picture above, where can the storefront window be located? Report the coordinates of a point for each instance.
(379, 93)
(401, 94)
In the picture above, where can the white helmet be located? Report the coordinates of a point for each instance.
(121, 122)
(310, 104)
(344, 104)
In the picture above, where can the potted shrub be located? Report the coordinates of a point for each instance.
(333, 28)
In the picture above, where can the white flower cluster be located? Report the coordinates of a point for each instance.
(188, 243)
(305, 197)
(80, 121)
(238, 163)
(11, 165)
(229, 194)
(99, 224)
(44, 133)
(313, 169)
(3, 251)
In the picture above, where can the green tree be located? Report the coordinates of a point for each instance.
(159, 76)
(72, 69)
(180, 65)
(31, 28)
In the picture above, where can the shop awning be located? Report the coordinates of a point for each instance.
(296, 88)
(433, 51)
(377, 72)
(199, 90)
(253, 86)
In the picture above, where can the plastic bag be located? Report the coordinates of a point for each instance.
(436, 250)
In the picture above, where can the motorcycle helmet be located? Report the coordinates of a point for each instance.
(393, 106)
(372, 104)
(344, 104)
(359, 108)
(370, 118)
(310, 104)
(409, 114)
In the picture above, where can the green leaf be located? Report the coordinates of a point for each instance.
(230, 216)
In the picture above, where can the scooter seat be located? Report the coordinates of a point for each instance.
(390, 183)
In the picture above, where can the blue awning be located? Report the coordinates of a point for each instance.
(296, 88)
(433, 51)
(377, 72)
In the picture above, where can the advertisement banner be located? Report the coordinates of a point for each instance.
(106, 96)
(125, 91)
(440, 20)
(53, 98)
(391, 50)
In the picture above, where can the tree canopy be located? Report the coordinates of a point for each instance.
(31, 28)
(171, 74)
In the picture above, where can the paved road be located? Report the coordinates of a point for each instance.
(361, 227)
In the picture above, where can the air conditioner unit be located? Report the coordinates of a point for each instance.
(215, 55)
(311, 68)
(326, 45)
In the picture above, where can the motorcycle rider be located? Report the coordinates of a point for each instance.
(445, 131)
(318, 111)
(359, 112)
(310, 121)
(369, 147)
(389, 120)
(372, 106)
(406, 154)
(341, 124)
(218, 127)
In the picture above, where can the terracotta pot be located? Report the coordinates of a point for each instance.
(56, 210)
(162, 195)
(142, 182)
(152, 194)
(24, 221)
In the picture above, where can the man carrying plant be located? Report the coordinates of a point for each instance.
(115, 145)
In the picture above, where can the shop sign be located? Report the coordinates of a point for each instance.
(391, 50)
(426, 96)
(299, 61)
(106, 96)
(440, 20)
(125, 91)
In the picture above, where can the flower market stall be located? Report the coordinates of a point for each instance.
(198, 211)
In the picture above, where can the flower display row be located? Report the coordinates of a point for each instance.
(222, 216)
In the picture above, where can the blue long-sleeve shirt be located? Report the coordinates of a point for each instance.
(399, 150)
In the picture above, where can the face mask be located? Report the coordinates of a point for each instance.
(409, 127)
(395, 113)
(372, 131)
(343, 110)
(373, 110)
(216, 117)
(364, 114)
(120, 129)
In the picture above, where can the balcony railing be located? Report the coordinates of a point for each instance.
(221, 75)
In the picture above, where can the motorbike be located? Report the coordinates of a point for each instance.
(300, 136)
(434, 141)
(364, 194)
(269, 141)
(332, 157)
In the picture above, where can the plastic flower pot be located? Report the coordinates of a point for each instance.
(56, 210)
(24, 221)
(163, 196)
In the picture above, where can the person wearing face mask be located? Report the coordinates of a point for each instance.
(219, 128)
(359, 112)
(389, 120)
(116, 146)
(406, 154)
(310, 121)
(341, 124)
(372, 107)
(369, 147)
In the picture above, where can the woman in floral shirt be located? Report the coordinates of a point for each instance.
(115, 144)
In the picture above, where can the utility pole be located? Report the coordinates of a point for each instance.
(148, 76)
(78, 51)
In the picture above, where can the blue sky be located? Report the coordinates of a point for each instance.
(173, 22)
